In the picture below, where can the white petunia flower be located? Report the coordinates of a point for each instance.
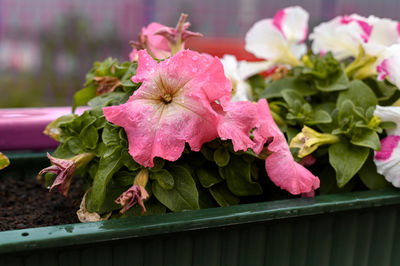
(280, 39)
(387, 160)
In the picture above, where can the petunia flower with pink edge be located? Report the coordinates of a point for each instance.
(172, 106)
(281, 167)
(387, 160)
(279, 40)
(389, 67)
(154, 44)
(342, 36)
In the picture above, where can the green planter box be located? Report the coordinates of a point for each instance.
(359, 228)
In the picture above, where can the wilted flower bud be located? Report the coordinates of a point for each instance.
(136, 194)
(178, 35)
(64, 169)
(308, 140)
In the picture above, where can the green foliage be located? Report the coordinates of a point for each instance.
(320, 94)
(109, 68)
(183, 195)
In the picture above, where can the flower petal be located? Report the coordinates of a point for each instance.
(158, 45)
(390, 66)
(237, 123)
(264, 40)
(280, 165)
(293, 23)
(340, 37)
(157, 127)
(389, 113)
(387, 160)
(146, 66)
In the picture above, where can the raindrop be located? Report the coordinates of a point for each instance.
(195, 57)
(194, 69)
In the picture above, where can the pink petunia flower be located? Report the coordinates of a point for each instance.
(154, 44)
(283, 170)
(172, 106)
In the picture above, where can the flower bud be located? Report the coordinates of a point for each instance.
(64, 169)
(136, 194)
(308, 140)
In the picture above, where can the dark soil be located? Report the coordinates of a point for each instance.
(27, 204)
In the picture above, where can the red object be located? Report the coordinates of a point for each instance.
(220, 46)
(22, 128)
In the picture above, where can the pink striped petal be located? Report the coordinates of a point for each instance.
(387, 160)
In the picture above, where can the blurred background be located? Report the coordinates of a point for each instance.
(47, 46)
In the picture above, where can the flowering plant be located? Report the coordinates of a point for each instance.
(174, 129)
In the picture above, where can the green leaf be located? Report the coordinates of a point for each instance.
(75, 145)
(4, 161)
(274, 89)
(164, 179)
(366, 138)
(346, 159)
(158, 164)
(370, 177)
(107, 167)
(326, 73)
(360, 94)
(127, 83)
(110, 135)
(387, 125)
(208, 177)
(238, 177)
(63, 151)
(293, 98)
(207, 153)
(83, 96)
(112, 98)
(335, 82)
(223, 196)
(318, 117)
(221, 157)
(89, 137)
(128, 161)
(183, 196)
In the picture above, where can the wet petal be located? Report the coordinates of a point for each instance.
(280, 165)
(171, 105)
(237, 122)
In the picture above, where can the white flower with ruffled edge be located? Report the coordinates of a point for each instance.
(387, 160)
(238, 72)
(342, 36)
(279, 40)
(389, 67)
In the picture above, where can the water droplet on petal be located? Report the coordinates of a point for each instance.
(195, 57)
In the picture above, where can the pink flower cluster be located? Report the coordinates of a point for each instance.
(186, 99)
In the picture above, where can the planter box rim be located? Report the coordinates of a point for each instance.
(85, 233)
